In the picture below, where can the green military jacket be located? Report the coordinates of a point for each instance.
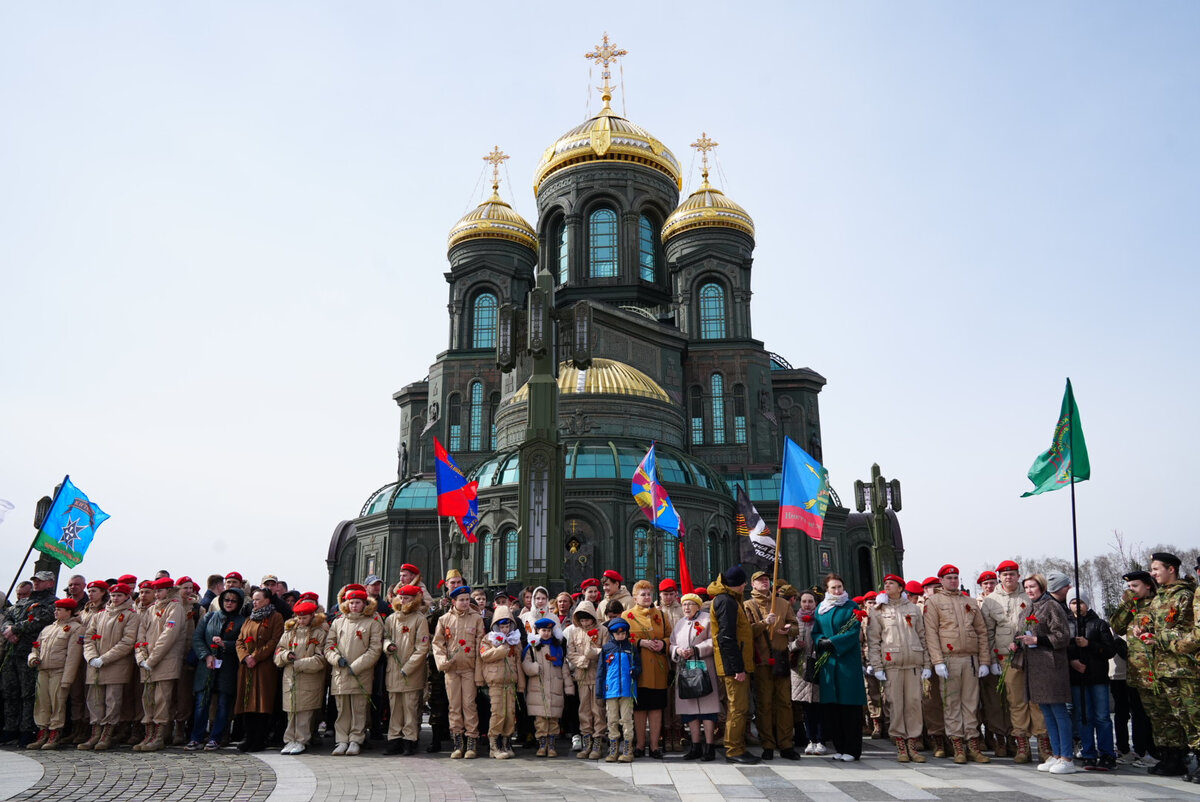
(1172, 621)
(1131, 613)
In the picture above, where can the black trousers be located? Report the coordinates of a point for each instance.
(1127, 705)
(843, 726)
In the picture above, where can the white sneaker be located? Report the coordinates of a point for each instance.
(1051, 762)
(298, 749)
(836, 756)
(340, 749)
(809, 750)
(1064, 766)
(287, 748)
(352, 749)
(576, 743)
(819, 749)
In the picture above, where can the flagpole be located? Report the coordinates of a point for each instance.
(1074, 529)
(441, 548)
(38, 531)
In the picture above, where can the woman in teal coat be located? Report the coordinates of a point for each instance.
(836, 631)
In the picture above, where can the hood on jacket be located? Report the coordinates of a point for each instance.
(585, 608)
(318, 620)
(237, 592)
(369, 606)
(718, 586)
(503, 613)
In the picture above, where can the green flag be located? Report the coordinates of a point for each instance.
(1067, 457)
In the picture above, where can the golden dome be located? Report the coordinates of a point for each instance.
(607, 137)
(707, 207)
(605, 377)
(493, 219)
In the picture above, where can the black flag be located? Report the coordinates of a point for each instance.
(755, 544)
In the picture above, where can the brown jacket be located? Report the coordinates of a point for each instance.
(110, 635)
(500, 660)
(59, 647)
(757, 607)
(583, 649)
(303, 677)
(408, 630)
(160, 642)
(954, 628)
(358, 637)
(896, 636)
(256, 686)
(456, 642)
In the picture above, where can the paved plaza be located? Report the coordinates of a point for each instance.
(229, 776)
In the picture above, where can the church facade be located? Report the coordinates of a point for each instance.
(666, 289)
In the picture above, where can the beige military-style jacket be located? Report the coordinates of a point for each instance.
(896, 636)
(110, 635)
(407, 629)
(160, 642)
(1004, 617)
(59, 647)
(954, 628)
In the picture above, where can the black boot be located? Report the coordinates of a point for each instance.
(710, 753)
(1173, 764)
(696, 752)
(434, 746)
(395, 746)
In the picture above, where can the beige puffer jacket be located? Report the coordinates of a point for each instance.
(583, 648)
(671, 614)
(456, 641)
(358, 637)
(954, 628)
(896, 636)
(500, 660)
(408, 630)
(303, 677)
(110, 635)
(1004, 617)
(546, 684)
(59, 647)
(159, 642)
(623, 596)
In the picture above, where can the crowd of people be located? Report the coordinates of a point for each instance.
(620, 672)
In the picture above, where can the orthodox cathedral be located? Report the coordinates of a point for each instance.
(663, 287)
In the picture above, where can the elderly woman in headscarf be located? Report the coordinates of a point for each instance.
(691, 640)
(214, 644)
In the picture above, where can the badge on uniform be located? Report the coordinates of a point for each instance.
(170, 623)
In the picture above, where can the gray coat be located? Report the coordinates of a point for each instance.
(1047, 673)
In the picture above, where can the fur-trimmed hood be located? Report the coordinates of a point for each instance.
(369, 608)
(318, 620)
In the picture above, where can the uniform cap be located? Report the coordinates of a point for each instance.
(931, 580)
(1166, 558)
(165, 583)
(410, 590)
(234, 575)
(412, 569)
(667, 584)
(66, 604)
(304, 608)
(898, 580)
(120, 587)
(44, 576)
(355, 594)
(914, 588)
(946, 569)
(1007, 565)
(870, 594)
(308, 595)
(591, 582)
(613, 575)
(986, 576)
(179, 582)
(98, 583)
(460, 590)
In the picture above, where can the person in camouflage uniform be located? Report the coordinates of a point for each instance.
(21, 625)
(1184, 643)
(1135, 604)
(1170, 619)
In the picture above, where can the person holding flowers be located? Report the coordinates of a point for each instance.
(500, 656)
(896, 652)
(405, 648)
(214, 645)
(456, 644)
(691, 640)
(353, 646)
(257, 675)
(107, 644)
(159, 654)
(585, 639)
(547, 683)
(835, 634)
(1145, 703)
(1004, 611)
(1047, 681)
(301, 655)
(649, 634)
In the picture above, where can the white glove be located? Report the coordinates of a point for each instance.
(942, 671)
(145, 664)
(996, 669)
(984, 671)
(926, 673)
(868, 670)
(95, 662)
(881, 676)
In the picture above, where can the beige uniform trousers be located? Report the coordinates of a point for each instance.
(960, 698)
(460, 690)
(619, 713)
(1026, 717)
(503, 696)
(773, 709)
(352, 718)
(591, 710)
(158, 702)
(406, 715)
(904, 702)
(737, 695)
(50, 701)
(299, 727)
(105, 703)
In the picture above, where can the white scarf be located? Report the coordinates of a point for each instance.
(830, 601)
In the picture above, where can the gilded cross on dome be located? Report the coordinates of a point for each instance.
(496, 158)
(603, 55)
(704, 145)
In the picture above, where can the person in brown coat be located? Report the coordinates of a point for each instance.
(257, 675)
(301, 655)
(500, 656)
(584, 641)
(107, 644)
(159, 654)
(56, 654)
(957, 643)
(772, 683)
(406, 647)
(1047, 675)
(455, 652)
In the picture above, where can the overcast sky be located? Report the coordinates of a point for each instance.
(223, 230)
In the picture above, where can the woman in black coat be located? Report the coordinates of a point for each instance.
(214, 645)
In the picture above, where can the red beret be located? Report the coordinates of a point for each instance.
(66, 604)
(859, 599)
(576, 595)
(668, 584)
(870, 594)
(914, 588)
(356, 594)
(931, 580)
(144, 584)
(234, 575)
(985, 576)
(304, 608)
(946, 569)
(412, 569)
(898, 580)
(613, 575)
(128, 579)
(1007, 565)
(410, 590)
(701, 592)
(164, 583)
(98, 583)
(308, 595)
(356, 586)
(182, 579)
(120, 587)
(589, 583)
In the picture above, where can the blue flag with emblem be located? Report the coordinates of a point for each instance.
(70, 525)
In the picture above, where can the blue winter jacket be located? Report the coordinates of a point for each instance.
(619, 669)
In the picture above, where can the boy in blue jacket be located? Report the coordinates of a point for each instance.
(616, 683)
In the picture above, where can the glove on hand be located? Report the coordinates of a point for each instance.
(942, 671)
(926, 673)
(96, 662)
(881, 676)
(343, 662)
(984, 671)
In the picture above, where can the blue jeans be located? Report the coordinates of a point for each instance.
(1090, 718)
(1058, 728)
(200, 716)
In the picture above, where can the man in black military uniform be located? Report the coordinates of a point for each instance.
(18, 682)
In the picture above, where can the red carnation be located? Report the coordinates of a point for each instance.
(462, 642)
(37, 644)
(313, 642)
(888, 657)
(404, 629)
(467, 649)
(95, 637)
(806, 618)
(628, 615)
(67, 628)
(950, 646)
(358, 634)
(770, 661)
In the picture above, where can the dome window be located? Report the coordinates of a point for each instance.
(718, 409)
(483, 321)
(647, 261)
(563, 254)
(712, 311)
(602, 244)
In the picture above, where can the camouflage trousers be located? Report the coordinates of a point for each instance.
(18, 684)
(1164, 705)
(1185, 704)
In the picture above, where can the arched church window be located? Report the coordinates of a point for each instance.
(739, 414)
(646, 256)
(602, 244)
(712, 311)
(670, 557)
(696, 415)
(454, 420)
(718, 409)
(641, 551)
(483, 321)
(476, 416)
(493, 408)
(563, 253)
(489, 543)
(510, 555)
